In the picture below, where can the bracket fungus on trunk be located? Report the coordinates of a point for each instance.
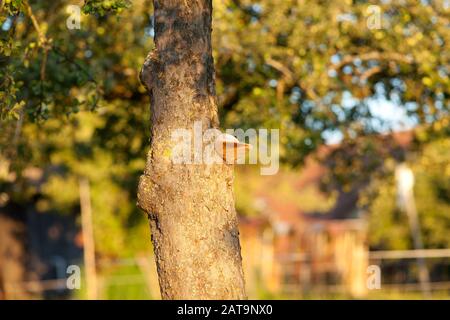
(230, 148)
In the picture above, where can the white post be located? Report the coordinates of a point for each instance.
(405, 189)
(88, 239)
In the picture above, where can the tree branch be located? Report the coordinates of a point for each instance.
(374, 55)
(290, 79)
(44, 42)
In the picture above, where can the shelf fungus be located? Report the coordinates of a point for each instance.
(230, 148)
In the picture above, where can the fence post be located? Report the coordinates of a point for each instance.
(88, 239)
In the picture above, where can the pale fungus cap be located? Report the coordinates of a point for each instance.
(230, 148)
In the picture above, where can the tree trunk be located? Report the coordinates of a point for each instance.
(190, 206)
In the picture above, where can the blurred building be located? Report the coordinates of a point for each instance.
(36, 247)
(286, 250)
(291, 247)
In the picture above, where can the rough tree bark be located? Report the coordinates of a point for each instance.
(190, 206)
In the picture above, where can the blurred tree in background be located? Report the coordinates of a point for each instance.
(89, 69)
(71, 103)
(312, 68)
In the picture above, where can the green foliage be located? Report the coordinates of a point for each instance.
(87, 117)
(114, 289)
(389, 228)
(10, 8)
(312, 68)
(102, 7)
